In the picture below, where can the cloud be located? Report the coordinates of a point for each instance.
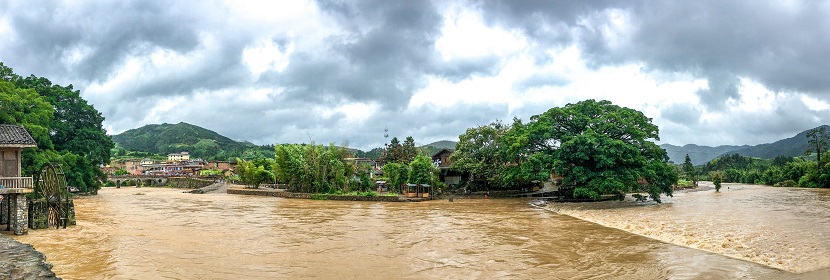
(709, 72)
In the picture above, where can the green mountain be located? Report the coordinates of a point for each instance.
(202, 143)
(435, 147)
(698, 154)
(793, 146)
(443, 144)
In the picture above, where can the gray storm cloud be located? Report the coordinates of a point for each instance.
(383, 52)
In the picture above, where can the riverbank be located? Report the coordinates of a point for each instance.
(22, 261)
(777, 227)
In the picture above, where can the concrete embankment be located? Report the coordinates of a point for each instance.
(285, 194)
(22, 261)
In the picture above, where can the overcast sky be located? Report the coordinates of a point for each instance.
(707, 72)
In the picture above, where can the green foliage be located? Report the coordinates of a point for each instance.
(121, 172)
(25, 107)
(585, 193)
(313, 168)
(375, 153)
(717, 178)
(600, 147)
(365, 182)
(787, 184)
(780, 171)
(773, 175)
(252, 174)
(210, 173)
(163, 139)
(76, 127)
(409, 151)
(401, 153)
(689, 170)
(526, 155)
(66, 128)
(817, 141)
(397, 174)
(478, 152)
(367, 193)
(421, 170)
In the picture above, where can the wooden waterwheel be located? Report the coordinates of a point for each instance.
(52, 185)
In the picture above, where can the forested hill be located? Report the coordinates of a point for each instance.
(167, 138)
(443, 144)
(698, 154)
(793, 146)
(434, 147)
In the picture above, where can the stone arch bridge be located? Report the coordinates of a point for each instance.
(139, 180)
(160, 181)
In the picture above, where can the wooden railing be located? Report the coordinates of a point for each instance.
(17, 182)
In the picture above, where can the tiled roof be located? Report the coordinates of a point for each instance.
(15, 136)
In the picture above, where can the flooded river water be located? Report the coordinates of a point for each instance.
(159, 233)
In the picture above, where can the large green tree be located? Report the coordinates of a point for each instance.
(601, 148)
(478, 152)
(313, 168)
(408, 150)
(76, 127)
(689, 170)
(25, 107)
(421, 170)
(817, 141)
(397, 174)
(74, 135)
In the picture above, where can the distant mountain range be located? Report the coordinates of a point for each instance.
(791, 147)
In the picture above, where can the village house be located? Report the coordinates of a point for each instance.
(189, 168)
(375, 167)
(227, 167)
(178, 157)
(13, 187)
(449, 176)
(132, 166)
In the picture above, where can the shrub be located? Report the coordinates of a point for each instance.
(585, 193)
(717, 178)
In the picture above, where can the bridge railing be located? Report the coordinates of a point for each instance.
(17, 182)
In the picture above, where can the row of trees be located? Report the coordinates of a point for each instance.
(419, 171)
(596, 148)
(319, 169)
(327, 169)
(66, 128)
(402, 153)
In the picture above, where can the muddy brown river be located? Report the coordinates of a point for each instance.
(159, 233)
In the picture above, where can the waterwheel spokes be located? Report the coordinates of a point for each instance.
(52, 182)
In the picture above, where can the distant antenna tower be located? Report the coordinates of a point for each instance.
(384, 154)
